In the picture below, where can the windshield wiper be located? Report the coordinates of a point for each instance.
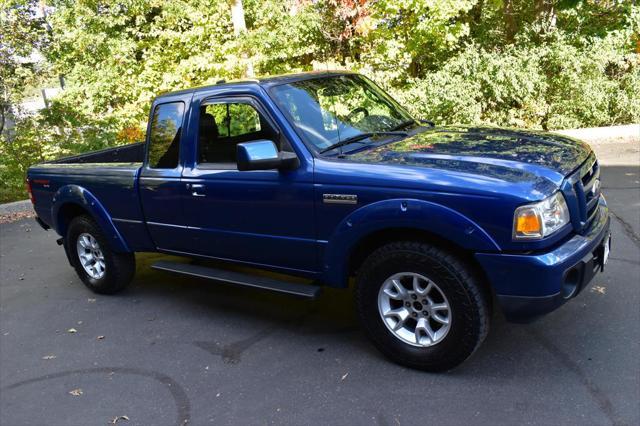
(358, 138)
(404, 124)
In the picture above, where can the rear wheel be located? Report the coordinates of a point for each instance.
(99, 268)
(421, 306)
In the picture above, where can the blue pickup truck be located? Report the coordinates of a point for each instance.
(324, 176)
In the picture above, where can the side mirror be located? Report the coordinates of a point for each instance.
(264, 155)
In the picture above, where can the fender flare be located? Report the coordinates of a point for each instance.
(422, 215)
(74, 194)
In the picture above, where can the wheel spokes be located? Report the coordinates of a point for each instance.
(399, 289)
(439, 306)
(423, 329)
(439, 318)
(90, 255)
(414, 309)
(400, 314)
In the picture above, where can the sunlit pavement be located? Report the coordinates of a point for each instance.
(171, 350)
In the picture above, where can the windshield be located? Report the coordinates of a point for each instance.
(327, 110)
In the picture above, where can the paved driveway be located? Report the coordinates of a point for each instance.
(174, 351)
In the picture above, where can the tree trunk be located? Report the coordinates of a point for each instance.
(2, 119)
(476, 12)
(4, 108)
(474, 18)
(546, 13)
(239, 27)
(237, 17)
(510, 25)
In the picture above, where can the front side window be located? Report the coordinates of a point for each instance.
(224, 125)
(164, 139)
(234, 119)
(327, 110)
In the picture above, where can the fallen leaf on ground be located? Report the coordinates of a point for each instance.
(100, 337)
(12, 217)
(72, 330)
(117, 419)
(76, 392)
(344, 377)
(598, 289)
(49, 357)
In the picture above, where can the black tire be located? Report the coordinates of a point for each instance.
(469, 303)
(119, 267)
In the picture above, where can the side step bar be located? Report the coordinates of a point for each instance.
(302, 290)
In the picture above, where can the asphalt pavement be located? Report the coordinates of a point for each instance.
(176, 351)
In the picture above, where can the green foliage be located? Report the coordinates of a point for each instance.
(415, 35)
(552, 86)
(542, 64)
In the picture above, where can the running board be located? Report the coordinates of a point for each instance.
(238, 278)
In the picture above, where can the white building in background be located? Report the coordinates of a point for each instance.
(34, 104)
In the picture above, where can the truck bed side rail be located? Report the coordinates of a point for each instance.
(132, 153)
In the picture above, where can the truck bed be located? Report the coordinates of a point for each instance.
(109, 175)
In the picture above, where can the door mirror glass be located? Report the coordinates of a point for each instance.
(264, 155)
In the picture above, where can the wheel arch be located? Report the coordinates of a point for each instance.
(72, 201)
(370, 243)
(373, 226)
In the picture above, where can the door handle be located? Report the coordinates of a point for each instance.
(196, 190)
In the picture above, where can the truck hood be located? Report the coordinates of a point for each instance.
(506, 154)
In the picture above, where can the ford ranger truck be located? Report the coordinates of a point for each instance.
(324, 176)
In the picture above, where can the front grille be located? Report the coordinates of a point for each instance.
(586, 192)
(590, 171)
(591, 184)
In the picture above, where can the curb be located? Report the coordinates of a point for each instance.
(625, 133)
(15, 207)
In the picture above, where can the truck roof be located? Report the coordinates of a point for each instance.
(262, 81)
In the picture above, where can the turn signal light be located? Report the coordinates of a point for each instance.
(528, 224)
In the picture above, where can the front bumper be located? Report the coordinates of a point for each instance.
(531, 285)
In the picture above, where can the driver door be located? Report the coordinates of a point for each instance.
(262, 217)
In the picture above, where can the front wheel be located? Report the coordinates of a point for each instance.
(421, 306)
(99, 268)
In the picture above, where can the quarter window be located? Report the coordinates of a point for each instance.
(164, 139)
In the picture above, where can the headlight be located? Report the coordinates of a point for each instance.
(541, 219)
